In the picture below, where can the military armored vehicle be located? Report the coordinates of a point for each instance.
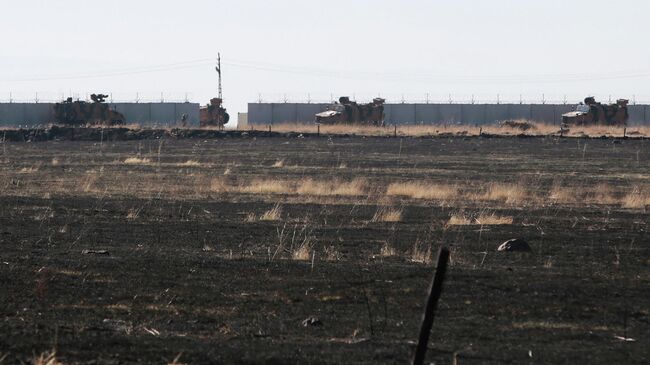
(349, 112)
(78, 113)
(594, 113)
(213, 114)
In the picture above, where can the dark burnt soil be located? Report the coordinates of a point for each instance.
(110, 277)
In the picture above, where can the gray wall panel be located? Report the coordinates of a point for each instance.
(497, 112)
(473, 113)
(284, 113)
(305, 113)
(134, 112)
(35, 114)
(403, 113)
(637, 114)
(425, 113)
(544, 113)
(260, 113)
(519, 111)
(450, 113)
(163, 113)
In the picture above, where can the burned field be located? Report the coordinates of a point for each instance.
(320, 250)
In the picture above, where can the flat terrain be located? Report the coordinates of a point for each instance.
(219, 249)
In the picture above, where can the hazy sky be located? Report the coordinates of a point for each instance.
(323, 48)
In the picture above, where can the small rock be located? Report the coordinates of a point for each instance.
(95, 252)
(117, 325)
(312, 321)
(514, 245)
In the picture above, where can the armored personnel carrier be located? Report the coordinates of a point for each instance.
(350, 112)
(213, 114)
(594, 113)
(78, 113)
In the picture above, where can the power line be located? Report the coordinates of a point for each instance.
(418, 77)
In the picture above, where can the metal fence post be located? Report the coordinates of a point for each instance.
(431, 305)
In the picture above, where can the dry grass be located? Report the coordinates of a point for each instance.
(493, 219)
(46, 358)
(508, 193)
(420, 254)
(137, 161)
(278, 164)
(250, 217)
(483, 218)
(302, 253)
(563, 194)
(538, 129)
(459, 220)
(601, 194)
(133, 214)
(334, 187)
(190, 163)
(386, 214)
(331, 253)
(273, 214)
(266, 186)
(423, 190)
(218, 185)
(387, 250)
(638, 198)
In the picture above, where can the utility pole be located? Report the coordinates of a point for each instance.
(218, 68)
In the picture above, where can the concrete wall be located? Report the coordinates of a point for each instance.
(32, 114)
(274, 113)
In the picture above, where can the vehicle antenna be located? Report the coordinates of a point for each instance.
(218, 68)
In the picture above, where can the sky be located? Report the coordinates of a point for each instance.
(300, 51)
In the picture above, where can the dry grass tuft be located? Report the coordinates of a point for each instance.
(638, 198)
(508, 193)
(493, 219)
(420, 254)
(385, 214)
(333, 187)
(459, 220)
(272, 214)
(602, 194)
(227, 171)
(484, 218)
(190, 163)
(302, 253)
(137, 161)
(266, 187)
(55, 161)
(28, 170)
(563, 194)
(218, 185)
(133, 214)
(278, 164)
(423, 190)
(250, 217)
(387, 250)
(46, 358)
